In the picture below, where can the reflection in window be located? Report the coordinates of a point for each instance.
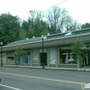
(66, 57)
(26, 58)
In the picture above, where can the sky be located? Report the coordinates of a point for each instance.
(78, 9)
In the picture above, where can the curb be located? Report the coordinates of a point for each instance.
(48, 68)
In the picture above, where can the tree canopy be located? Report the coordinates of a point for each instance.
(77, 49)
(60, 21)
(9, 28)
(54, 20)
(20, 52)
(35, 26)
(86, 25)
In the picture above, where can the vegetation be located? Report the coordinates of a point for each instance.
(60, 20)
(9, 28)
(77, 51)
(86, 25)
(20, 52)
(55, 20)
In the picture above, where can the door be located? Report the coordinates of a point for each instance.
(43, 58)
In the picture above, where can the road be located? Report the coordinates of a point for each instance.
(38, 79)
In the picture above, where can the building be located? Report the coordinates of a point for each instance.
(57, 50)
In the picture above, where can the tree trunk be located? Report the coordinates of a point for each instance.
(78, 62)
(78, 65)
(19, 61)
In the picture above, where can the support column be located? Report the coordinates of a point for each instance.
(35, 57)
(52, 56)
(14, 58)
(31, 57)
(86, 57)
(38, 58)
(48, 57)
(57, 56)
(66, 60)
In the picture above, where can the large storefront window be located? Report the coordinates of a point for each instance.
(26, 58)
(66, 57)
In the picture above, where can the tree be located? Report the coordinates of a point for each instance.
(22, 34)
(37, 26)
(53, 17)
(86, 25)
(73, 25)
(20, 52)
(25, 26)
(77, 51)
(9, 28)
(60, 20)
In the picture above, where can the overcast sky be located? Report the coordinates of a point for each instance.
(78, 9)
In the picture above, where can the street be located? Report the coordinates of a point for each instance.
(41, 79)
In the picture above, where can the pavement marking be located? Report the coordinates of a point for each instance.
(10, 87)
(42, 78)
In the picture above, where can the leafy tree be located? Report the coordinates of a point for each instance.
(22, 34)
(37, 26)
(77, 51)
(25, 26)
(86, 25)
(9, 28)
(20, 52)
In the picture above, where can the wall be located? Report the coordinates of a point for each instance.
(54, 56)
(35, 57)
(3, 58)
(10, 58)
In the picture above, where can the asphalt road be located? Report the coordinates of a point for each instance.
(38, 79)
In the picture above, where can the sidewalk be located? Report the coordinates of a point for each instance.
(50, 68)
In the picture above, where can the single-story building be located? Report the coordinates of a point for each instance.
(53, 50)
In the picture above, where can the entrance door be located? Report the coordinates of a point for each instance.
(43, 58)
(88, 57)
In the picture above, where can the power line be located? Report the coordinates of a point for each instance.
(56, 4)
(60, 3)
